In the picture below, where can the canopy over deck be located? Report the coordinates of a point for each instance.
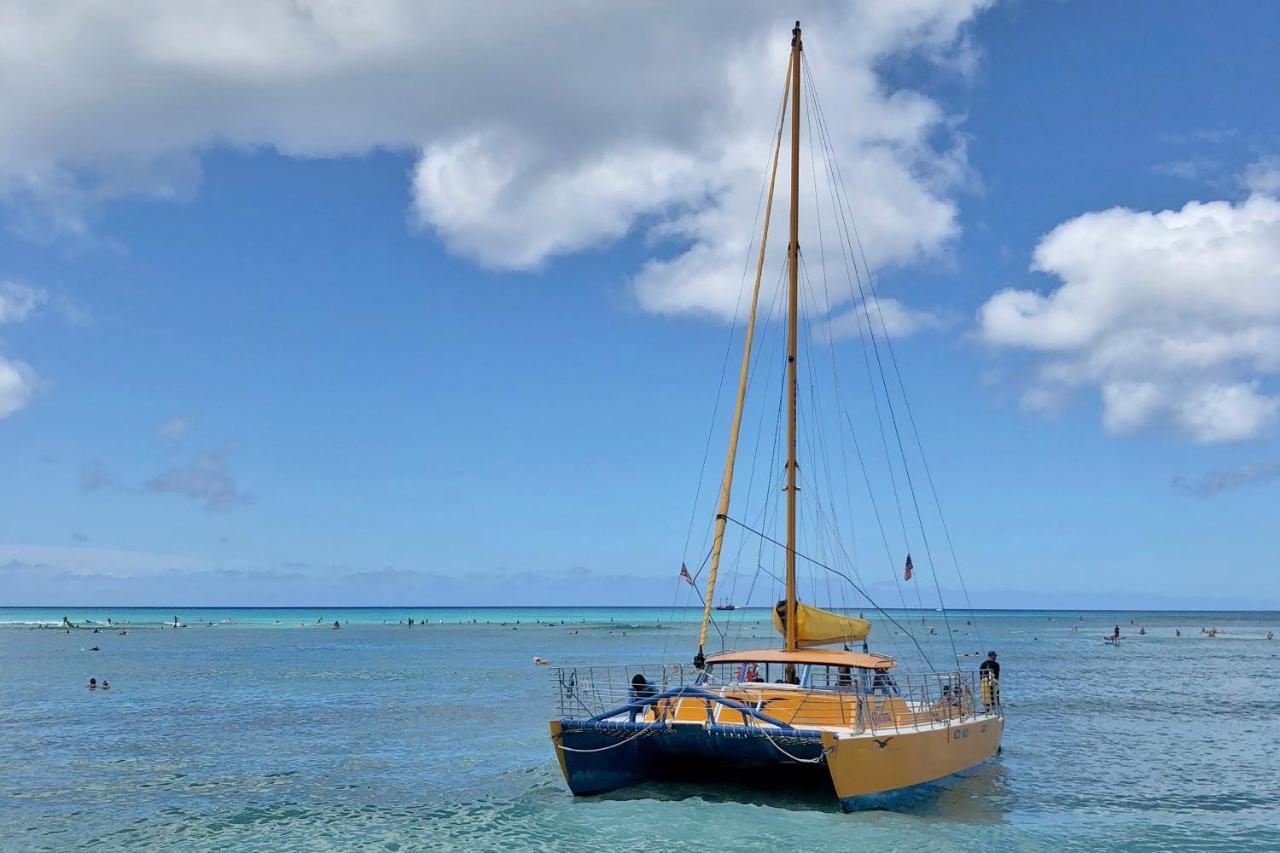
(822, 657)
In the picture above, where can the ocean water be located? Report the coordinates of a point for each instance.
(271, 732)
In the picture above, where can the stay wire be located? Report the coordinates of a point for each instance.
(894, 420)
(885, 613)
(724, 367)
(853, 276)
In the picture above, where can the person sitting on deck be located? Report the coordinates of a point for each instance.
(640, 689)
(844, 678)
(753, 673)
(949, 699)
(989, 672)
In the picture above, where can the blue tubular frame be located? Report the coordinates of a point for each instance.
(700, 692)
(714, 728)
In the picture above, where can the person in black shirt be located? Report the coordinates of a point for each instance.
(989, 672)
(641, 689)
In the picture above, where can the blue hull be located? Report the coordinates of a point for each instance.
(634, 753)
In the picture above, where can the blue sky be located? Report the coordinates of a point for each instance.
(402, 339)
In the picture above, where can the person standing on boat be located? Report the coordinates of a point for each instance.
(640, 689)
(989, 673)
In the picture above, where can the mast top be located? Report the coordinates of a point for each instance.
(795, 34)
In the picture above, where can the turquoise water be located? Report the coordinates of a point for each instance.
(261, 736)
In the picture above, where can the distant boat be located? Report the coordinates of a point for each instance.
(726, 605)
(795, 714)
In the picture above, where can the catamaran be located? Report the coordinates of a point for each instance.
(818, 706)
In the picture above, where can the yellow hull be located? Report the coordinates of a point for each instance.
(884, 762)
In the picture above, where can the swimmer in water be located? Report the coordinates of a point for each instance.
(105, 685)
(93, 684)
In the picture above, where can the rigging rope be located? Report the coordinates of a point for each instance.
(715, 409)
(849, 580)
(638, 734)
(884, 382)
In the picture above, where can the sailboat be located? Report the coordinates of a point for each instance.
(817, 708)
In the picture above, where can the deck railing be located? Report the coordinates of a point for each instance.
(909, 701)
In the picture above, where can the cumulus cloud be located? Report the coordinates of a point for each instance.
(540, 129)
(207, 478)
(1174, 316)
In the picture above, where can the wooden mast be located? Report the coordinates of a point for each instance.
(793, 300)
(726, 483)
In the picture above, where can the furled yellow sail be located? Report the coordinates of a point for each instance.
(815, 627)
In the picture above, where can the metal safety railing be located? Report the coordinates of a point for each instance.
(586, 691)
(681, 693)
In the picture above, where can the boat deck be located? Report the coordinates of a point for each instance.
(676, 696)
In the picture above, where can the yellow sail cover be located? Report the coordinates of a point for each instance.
(815, 627)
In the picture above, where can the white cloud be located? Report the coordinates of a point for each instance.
(1174, 316)
(1186, 169)
(18, 301)
(174, 428)
(542, 128)
(18, 383)
(1263, 176)
(890, 318)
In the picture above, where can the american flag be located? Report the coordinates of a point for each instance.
(684, 573)
(907, 569)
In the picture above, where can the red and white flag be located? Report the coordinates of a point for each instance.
(684, 573)
(907, 569)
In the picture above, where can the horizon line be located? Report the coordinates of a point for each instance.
(694, 608)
